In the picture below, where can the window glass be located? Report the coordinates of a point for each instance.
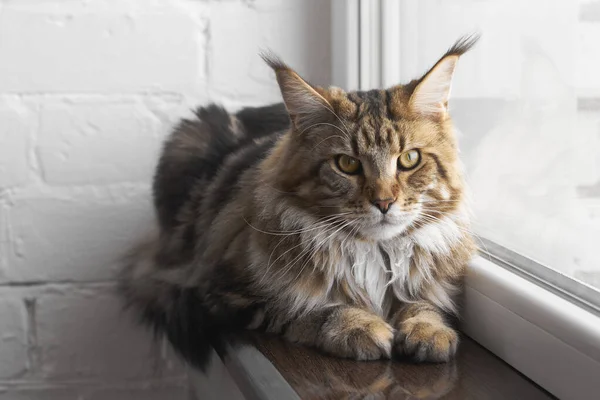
(526, 102)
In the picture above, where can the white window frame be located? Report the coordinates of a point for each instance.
(545, 335)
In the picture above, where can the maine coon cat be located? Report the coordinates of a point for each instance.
(335, 220)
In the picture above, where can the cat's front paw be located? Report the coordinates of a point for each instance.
(425, 341)
(359, 335)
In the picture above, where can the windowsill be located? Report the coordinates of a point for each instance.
(549, 339)
(261, 367)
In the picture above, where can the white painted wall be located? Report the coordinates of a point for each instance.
(88, 90)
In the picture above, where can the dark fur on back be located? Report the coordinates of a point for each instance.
(187, 161)
(191, 158)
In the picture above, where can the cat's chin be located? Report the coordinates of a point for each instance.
(384, 231)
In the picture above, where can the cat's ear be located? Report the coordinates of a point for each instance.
(430, 96)
(303, 102)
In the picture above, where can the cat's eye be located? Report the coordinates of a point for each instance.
(348, 165)
(409, 159)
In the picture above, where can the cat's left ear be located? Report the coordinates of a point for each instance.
(430, 96)
(303, 102)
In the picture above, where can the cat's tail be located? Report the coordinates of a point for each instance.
(163, 301)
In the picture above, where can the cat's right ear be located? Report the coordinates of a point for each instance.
(305, 105)
(431, 95)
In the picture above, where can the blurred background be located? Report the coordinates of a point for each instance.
(90, 88)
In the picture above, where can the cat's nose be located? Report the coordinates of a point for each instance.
(383, 204)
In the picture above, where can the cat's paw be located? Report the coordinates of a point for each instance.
(359, 335)
(425, 341)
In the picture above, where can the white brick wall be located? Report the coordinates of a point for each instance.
(14, 136)
(88, 90)
(13, 344)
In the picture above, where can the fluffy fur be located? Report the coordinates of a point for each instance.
(260, 228)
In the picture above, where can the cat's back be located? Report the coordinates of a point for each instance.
(196, 153)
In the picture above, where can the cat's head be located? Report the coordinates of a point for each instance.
(382, 161)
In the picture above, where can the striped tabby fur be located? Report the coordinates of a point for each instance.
(259, 228)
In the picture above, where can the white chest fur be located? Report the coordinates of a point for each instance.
(375, 270)
(374, 267)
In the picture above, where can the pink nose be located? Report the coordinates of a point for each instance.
(383, 205)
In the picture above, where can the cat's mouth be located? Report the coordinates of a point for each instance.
(399, 218)
(388, 226)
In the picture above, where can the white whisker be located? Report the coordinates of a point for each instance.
(327, 138)
(328, 124)
(327, 228)
(294, 232)
(461, 228)
(288, 267)
(338, 118)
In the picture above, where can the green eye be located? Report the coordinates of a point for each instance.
(348, 165)
(409, 159)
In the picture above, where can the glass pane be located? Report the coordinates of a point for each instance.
(526, 102)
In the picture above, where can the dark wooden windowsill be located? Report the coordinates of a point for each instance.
(265, 367)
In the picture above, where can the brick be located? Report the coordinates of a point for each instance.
(42, 393)
(171, 392)
(105, 52)
(97, 143)
(14, 139)
(83, 333)
(69, 7)
(282, 30)
(4, 241)
(214, 384)
(76, 239)
(227, 54)
(170, 109)
(172, 364)
(270, 25)
(13, 336)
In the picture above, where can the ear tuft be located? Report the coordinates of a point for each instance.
(432, 93)
(273, 60)
(463, 44)
(303, 102)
